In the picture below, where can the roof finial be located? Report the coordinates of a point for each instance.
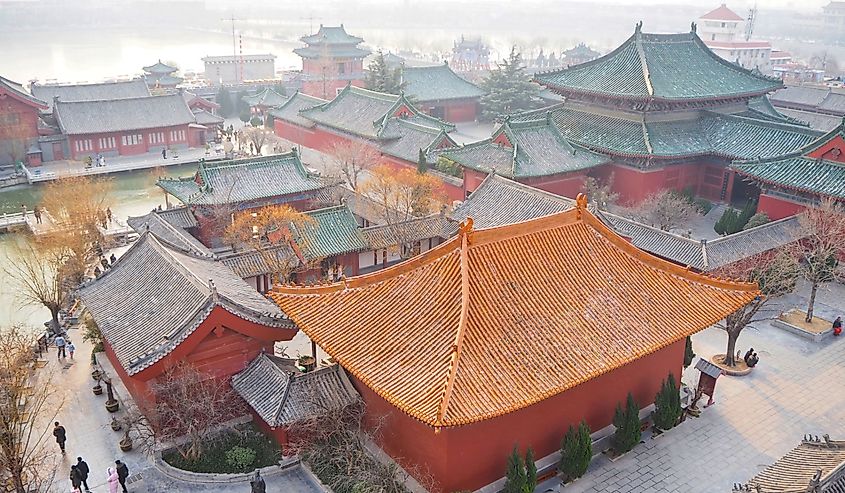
(638, 27)
(692, 27)
(214, 296)
(548, 117)
(580, 204)
(465, 227)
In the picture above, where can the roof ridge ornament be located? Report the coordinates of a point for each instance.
(638, 27)
(580, 205)
(693, 26)
(215, 297)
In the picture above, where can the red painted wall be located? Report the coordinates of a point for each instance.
(192, 139)
(778, 207)
(17, 136)
(469, 457)
(464, 111)
(633, 185)
(832, 150)
(568, 185)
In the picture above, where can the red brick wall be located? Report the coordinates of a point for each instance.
(191, 139)
(469, 457)
(778, 207)
(569, 185)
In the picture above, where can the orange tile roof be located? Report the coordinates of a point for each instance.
(497, 319)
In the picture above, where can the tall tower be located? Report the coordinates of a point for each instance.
(331, 60)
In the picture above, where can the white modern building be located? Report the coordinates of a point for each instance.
(232, 69)
(724, 32)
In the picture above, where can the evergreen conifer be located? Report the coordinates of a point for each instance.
(422, 163)
(508, 88)
(515, 477)
(530, 472)
(689, 354)
(381, 78)
(627, 423)
(224, 99)
(668, 404)
(576, 452)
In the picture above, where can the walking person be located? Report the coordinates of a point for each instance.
(37, 212)
(122, 474)
(113, 480)
(70, 349)
(837, 326)
(75, 478)
(60, 434)
(112, 259)
(82, 468)
(108, 214)
(60, 346)
(257, 483)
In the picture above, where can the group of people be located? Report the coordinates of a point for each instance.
(64, 346)
(115, 476)
(37, 212)
(105, 217)
(106, 263)
(751, 359)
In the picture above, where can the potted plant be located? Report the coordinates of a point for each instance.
(112, 404)
(97, 389)
(115, 424)
(308, 363)
(126, 442)
(96, 373)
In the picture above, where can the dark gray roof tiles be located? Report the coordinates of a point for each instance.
(289, 111)
(203, 117)
(817, 121)
(801, 95)
(17, 89)
(155, 297)
(797, 470)
(250, 263)
(283, 396)
(354, 110)
(685, 251)
(181, 217)
(135, 88)
(437, 83)
(407, 138)
(388, 235)
(170, 226)
(498, 201)
(119, 115)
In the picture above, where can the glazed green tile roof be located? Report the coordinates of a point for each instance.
(668, 67)
(799, 171)
(538, 149)
(366, 113)
(159, 68)
(334, 232)
(331, 35)
(437, 83)
(243, 180)
(267, 97)
(731, 136)
(408, 137)
(290, 110)
(332, 52)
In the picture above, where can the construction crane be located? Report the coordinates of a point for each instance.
(238, 69)
(749, 22)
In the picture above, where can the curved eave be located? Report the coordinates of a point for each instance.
(777, 184)
(566, 91)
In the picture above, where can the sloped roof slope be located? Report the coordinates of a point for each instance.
(17, 90)
(562, 292)
(816, 464)
(135, 88)
(119, 115)
(437, 83)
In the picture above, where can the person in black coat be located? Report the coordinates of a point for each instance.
(60, 434)
(748, 355)
(257, 483)
(83, 469)
(75, 478)
(122, 474)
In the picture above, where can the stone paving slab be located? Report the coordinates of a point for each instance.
(796, 389)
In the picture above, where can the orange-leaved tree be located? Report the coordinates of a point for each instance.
(269, 233)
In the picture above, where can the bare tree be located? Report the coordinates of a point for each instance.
(351, 159)
(13, 141)
(269, 232)
(822, 230)
(39, 271)
(192, 404)
(665, 209)
(28, 407)
(600, 192)
(258, 136)
(775, 272)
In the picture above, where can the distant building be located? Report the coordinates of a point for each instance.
(723, 31)
(470, 55)
(822, 107)
(833, 21)
(160, 76)
(581, 53)
(135, 88)
(265, 100)
(331, 60)
(19, 112)
(230, 69)
(797, 73)
(442, 93)
(779, 57)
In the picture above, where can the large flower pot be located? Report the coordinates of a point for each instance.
(112, 406)
(125, 445)
(97, 389)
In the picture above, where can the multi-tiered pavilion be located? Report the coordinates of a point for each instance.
(670, 114)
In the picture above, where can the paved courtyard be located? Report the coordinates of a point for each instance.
(796, 389)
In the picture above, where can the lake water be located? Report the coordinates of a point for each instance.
(133, 194)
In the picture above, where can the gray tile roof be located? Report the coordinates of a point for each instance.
(801, 95)
(135, 88)
(387, 235)
(203, 117)
(685, 251)
(244, 180)
(817, 121)
(289, 111)
(334, 51)
(119, 115)
(334, 232)
(331, 35)
(154, 297)
(796, 471)
(498, 201)
(283, 396)
(159, 68)
(249, 263)
(537, 148)
(407, 138)
(437, 83)
(18, 90)
(169, 226)
(267, 97)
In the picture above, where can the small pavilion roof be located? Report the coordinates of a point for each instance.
(166, 80)
(331, 35)
(562, 292)
(243, 180)
(119, 115)
(191, 97)
(437, 83)
(805, 170)
(334, 232)
(525, 148)
(282, 395)
(412, 230)
(203, 117)
(290, 109)
(365, 113)
(268, 97)
(17, 91)
(722, 13)
(159, 68)
(816, 464)
(665, 67)
(135, 88)
(498, 201)
(711, 133)
(155, 296)
(581, 51)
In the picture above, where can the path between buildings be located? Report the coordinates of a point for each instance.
(796, 389)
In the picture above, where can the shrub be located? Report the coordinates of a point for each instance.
(521, 476)
(627, 423)
(449, 167)
(256, 121)
(240, 457)
(668, 405)
(245, 116)
(689, 354)
(758, 219)
(530, 472)
(215, 459)
(576, 452)
(703, 205)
